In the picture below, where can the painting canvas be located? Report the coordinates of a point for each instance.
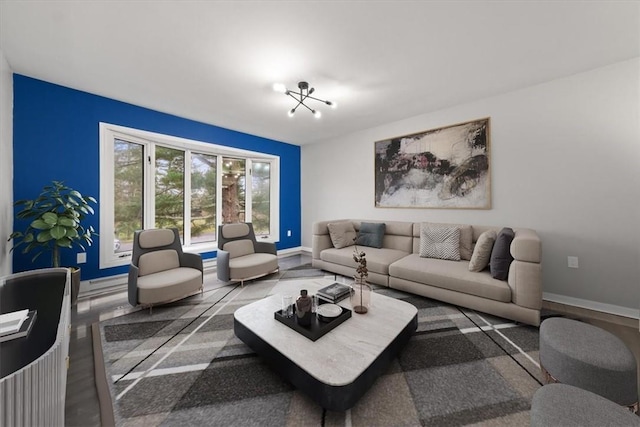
(448, 167)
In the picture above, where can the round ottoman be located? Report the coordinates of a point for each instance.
(566, 406)
(588, 357)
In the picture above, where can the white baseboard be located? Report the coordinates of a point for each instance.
(592, 305)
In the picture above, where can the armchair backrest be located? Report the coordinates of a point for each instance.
(156, 250)
(237, 239)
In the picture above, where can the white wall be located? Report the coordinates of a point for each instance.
(6, 163)
(565, 162)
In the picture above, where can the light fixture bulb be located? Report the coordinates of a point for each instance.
(279, 87)
(291, 112)
(317, 114)
(331, 104)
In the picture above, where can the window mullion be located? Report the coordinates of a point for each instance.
(187, 198)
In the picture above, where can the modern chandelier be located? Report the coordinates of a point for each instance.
(301, 97)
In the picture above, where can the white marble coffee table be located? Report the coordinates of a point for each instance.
(337, 369)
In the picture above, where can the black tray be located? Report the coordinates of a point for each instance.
(317, 328)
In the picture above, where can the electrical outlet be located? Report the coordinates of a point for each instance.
(572, 262)
(288, 233)
(81, 258)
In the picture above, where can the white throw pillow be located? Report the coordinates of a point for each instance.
(482, 251)
(342, 234)
(440, 242)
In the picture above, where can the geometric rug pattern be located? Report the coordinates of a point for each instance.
(182, 365)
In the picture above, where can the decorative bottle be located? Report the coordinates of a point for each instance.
(303, 308)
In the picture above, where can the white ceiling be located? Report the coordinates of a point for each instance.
(381, 61)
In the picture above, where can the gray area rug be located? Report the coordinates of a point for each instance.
(183, 365)
(305, 270)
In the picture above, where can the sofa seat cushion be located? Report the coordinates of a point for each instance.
(168, 285)
(452, 275)
(252, 265)
(378, 260)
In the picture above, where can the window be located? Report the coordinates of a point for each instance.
(149, 180)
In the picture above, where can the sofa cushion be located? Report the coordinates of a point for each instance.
(452, 275)
(168, 285)
(252, 265)
(466, 237)
(440, 242)
(156, 261)
(501, 254)
(371, 234)
(238, 248)
(482, 251)
(342, 234)
(378, 260)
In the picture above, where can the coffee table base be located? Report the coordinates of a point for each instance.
(335, 398)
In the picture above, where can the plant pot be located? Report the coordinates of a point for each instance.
(75, 284)
(360, 296)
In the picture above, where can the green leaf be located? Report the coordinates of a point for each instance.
(58, 232)
(72, 233)
(92, 199)
(73, 201)
(50, 218)
(83, 210)
(64, 242)
(28, 238)
(76, 194)
(67, 222)
(43, 236)
(90, 209)
(39, 224)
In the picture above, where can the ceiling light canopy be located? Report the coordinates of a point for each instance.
(301, 96)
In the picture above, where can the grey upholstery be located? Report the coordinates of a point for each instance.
(240, 257)
(160, 272)
(588, 357)
(563, 405)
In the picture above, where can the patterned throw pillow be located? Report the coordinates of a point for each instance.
(342, 234)
(440, 242)
(482, 251)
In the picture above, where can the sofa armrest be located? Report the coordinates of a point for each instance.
(222, 268)
(525, 272)
(132, 284)
(191, 260)
(265, 247)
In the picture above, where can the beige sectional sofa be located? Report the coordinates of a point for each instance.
(397, 265)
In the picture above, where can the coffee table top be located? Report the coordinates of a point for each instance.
(340, 356)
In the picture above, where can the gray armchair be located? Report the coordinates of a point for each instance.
(160, 272)
(241, 257)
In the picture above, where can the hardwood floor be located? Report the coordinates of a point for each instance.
(82, 406)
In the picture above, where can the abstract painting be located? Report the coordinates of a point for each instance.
(447, 167)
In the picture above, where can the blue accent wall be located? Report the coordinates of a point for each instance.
(56, 137)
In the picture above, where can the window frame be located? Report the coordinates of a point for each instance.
(149, 140)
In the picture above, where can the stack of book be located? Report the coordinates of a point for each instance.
(334, 292)
(16, 324)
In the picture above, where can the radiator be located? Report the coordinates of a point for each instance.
(35, 394)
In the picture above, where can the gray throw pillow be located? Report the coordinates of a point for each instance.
(482, 251)
(342, 234)
(440, 243)
(371, 234)
(466, 236)
(501, 254)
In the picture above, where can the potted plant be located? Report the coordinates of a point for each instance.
(57, 216)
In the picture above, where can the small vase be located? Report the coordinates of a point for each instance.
(303, 308)
(360, 296)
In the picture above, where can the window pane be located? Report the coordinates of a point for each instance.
(233, 190)
(203, 198)
(169, 188)
(127, 194)
(260, 197)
